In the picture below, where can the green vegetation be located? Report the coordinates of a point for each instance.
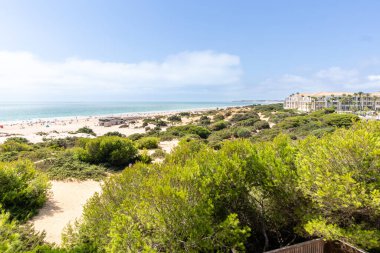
(22, 189)
(16, 237)
(115, 133)
(246, 196)
(147, 143)
(175, 118)
(180, 131)
(234, 184)
(219, 125)
(85, 130)
(66, 166)
(112, 150)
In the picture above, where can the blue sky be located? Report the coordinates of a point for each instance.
(186, 50)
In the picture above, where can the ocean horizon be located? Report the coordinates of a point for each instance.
(25, 111)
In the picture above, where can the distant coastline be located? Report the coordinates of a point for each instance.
(260, 101)
(19, 112)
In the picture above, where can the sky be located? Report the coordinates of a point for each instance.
(177, 50)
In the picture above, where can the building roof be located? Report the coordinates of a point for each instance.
(320, 94)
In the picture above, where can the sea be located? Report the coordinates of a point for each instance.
(25, 111)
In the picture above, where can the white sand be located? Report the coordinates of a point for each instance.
(64, 205)
(271, 124)
(168, 146)
(61, 128)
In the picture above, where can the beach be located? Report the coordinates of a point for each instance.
(55, 128)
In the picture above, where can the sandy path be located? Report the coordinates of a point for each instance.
(271, 124)
(168, 146)
(64, 205)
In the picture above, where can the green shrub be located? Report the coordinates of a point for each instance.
(86, 130)
(9, 156)
(204, 120)
(322, 131)
(112, 150)
(67, 166)
(242, 132)
(262, 124)
(16, 237)
(189, 129)
(218, 117)
(135, 137)
(175, 118)
(60, 143)
(247, 122)
(148, 143)
(219, 125)
(22, 189)
(244, 116)
(158, 153)
(340, 120)
(269, 108)
(18, 140)
(144, 157)
(10, 146)
(184, 114)
(115, 133)
(293, 122)
(215, 141)
(160, 123)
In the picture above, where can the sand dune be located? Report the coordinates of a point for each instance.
(64, 205)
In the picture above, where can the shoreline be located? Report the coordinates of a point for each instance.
(123, 114)
(38, 130)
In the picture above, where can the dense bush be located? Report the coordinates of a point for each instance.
(158, 153)
(247, 122)
(340, 120)
(189, 129)
(112, 150)
(61, 143)
(148, 143)
(219, 125)
(204, 120)
(22, 189)
(17, 139)
(16, 237)
(66, 166)
(262, 124)
(174, 118)
(135, 137)
(218, 117)
(269, 108)
(115, 133)
(14, 146)
(85, 130)
(244, 116)
(339, 173)
(242, 132)
(185, 114)
(245, 196)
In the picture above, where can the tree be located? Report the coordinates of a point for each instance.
(339, 173)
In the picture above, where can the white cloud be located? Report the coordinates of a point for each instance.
(337, 74)
(23, 72)
(329, 79)
(374, 78)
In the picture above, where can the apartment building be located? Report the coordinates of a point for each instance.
(341, 101)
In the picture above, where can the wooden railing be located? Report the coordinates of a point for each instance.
(314, 246)
(319, 246)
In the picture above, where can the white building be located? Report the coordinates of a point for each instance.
(341, 101)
